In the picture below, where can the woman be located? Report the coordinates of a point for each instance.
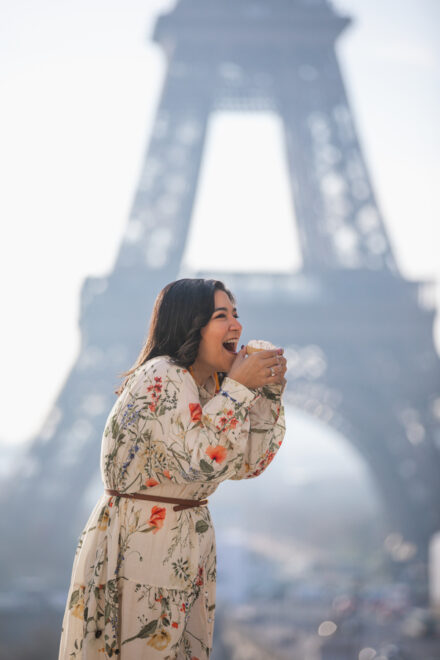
(191, 413)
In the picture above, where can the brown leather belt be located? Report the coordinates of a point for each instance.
(181, 504)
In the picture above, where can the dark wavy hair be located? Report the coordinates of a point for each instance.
(181, 309)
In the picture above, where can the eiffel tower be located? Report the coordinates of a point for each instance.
(357, 335)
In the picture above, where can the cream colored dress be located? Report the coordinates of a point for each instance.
(143, 576)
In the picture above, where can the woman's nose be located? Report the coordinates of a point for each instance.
(236, 324)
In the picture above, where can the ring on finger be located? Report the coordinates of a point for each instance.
(272, 372)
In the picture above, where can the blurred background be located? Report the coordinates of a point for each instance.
(290, 148)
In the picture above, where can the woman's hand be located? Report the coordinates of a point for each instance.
(259, 368)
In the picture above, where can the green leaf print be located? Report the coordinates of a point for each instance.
(115, 427)
(74, 598)
(205, 467)
(146, 631)
(181, 568)
(219, 474)
(272, 396)
(201, 526)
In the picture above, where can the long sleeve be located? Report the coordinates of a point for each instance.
(266, 434)
(159, 432)
(213, 438)
(202, 443)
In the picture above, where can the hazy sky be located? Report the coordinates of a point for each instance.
(80, 83)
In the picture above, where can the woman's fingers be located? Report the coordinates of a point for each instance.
(259, 368)
(274, 366)
(265, 355)
(277, 368)
(274, 362)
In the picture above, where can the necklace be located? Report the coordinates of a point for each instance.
(217, 384)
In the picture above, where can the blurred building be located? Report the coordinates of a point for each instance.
(358, 337)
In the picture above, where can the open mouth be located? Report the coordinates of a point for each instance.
(230, 346)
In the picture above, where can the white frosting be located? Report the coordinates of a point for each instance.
(261, 345)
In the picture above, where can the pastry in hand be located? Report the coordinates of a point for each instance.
(259, 345)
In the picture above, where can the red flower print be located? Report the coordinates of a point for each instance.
(229, 413)
(158, 379)
(167, 474)
(218, 454)
(151, 482)
(279, 442)
(152, 407)
(175, 624)
(157, 517)
(223, 420)
(110, 503)
(233, 422)
(270, 457)
(199, 580)
(196, 411)
(183, 608)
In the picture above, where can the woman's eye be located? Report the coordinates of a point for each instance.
(220, 316)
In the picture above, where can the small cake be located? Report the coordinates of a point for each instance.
(259, 345)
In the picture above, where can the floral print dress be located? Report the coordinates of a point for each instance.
(143, 577)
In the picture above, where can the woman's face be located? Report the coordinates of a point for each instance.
(223, 327)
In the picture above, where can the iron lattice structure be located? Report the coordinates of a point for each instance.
(357, 335)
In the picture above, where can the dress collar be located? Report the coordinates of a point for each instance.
(212, 385)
